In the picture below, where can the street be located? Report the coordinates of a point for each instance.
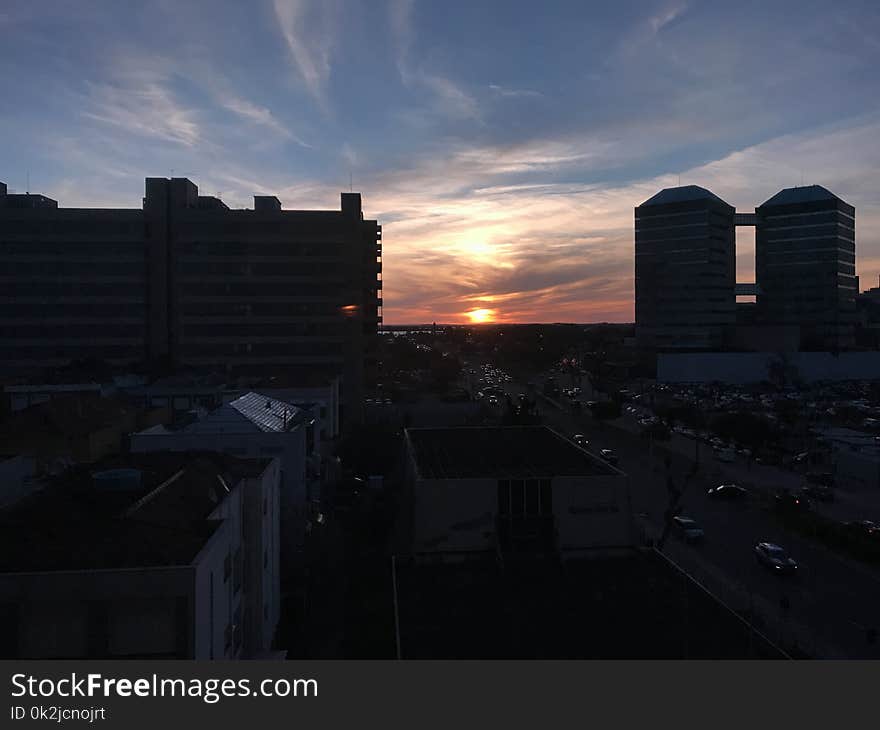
(826, 610)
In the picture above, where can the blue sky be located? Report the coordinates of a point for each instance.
(503, 145)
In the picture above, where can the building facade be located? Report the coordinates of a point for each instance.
(512, 490)
(685, 270)
(805, 262)
(186, 281)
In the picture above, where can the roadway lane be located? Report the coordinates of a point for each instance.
(830, 603)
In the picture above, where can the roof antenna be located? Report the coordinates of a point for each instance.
(27, 187)
(350, 182)
(679, 179)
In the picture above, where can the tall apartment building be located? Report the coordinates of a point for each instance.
(685, 269)
(805, 266)
(186, 281)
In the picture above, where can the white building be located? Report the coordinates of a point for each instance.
(253, 426)
(165, 556)
(512, 490)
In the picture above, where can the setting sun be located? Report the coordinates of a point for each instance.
(480, 316)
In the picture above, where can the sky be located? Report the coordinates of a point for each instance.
(502, 144)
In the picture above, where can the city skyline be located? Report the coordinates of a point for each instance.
(503, 167)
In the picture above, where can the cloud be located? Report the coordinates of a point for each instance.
(666, 16)
(449, 99)
(143, 106)
(456, 237)
(509, 93)
(309, 31)
(261, 116)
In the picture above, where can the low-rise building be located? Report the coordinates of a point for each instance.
(252, 426)
(163, 555)
(520, 489)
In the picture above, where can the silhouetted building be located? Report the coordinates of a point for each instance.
(685, 269)
(868, 318)
(188, 282)
(805, 266)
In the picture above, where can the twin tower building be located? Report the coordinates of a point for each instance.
(685, 272)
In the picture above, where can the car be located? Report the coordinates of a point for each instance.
(580, 440)
(774, 558)
(608, 455)
(728, 491)
(687, 529)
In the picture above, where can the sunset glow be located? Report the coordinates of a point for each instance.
(497, 185)
(481, 316)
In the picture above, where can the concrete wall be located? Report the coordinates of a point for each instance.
(215, 599)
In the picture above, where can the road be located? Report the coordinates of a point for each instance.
(830, 604)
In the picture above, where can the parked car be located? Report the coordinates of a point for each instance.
(728, 491)
(608, 455)
(773, 557)
(687, 529)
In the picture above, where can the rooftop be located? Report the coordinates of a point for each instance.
(249, 413)
(805, 194)
(513, 452)
(152, 511)
(683, 194)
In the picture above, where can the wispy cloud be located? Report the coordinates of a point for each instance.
(309, 30)
(260, 115)
(666, 16)
(449, 99)
(143, 106)
(509, 93)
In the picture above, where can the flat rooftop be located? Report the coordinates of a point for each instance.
(512, 452)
